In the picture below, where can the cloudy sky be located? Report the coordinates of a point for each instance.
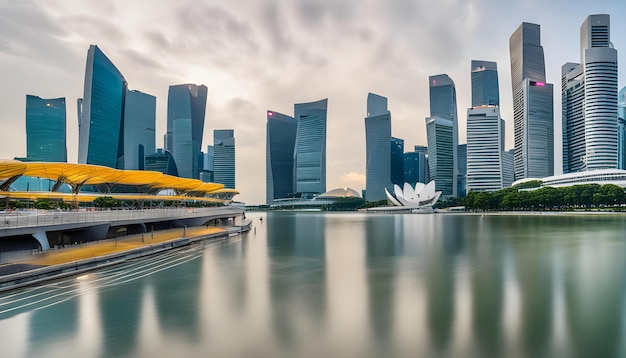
(258, 55)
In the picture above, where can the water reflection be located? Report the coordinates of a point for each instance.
(347, 285)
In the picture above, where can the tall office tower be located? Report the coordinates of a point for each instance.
(139, 125)
(161, 161)
(485, 89)
(378, 147)
(397, 161)
(416, 166)
(45, 129)
(424, 173)
(310, 148)
(533, 107)
(485, 133)
(589, 100)
(224, 157)
(186, 106)
(441, 164)
(280, 141)
(207, 172)
(621, 129)
(101, 112)
(508, 170)
(443, 106)
(461, 179)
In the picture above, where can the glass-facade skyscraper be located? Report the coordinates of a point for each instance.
(280, 142)
(397, 161)
(461, 178)
(443, 106)
(45, 129)
(161, 161)
(441, 148)
(533, 116)
(485, 88)
(377, 148)
(310, 148)
(224, 157)
(101, 112)
(589, 100)
(186, 106)
(139, 129)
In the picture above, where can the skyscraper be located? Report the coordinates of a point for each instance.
(101, 112)
(45, 129)
(416, 166)
(397, 161)
(441, 164)
(621, 129)
(378, 148)
(280, 141)
(533, 117)
(589, 100)
(208, 171)
(485, 133)
(310, 148)
(224, 157)
(186, 106)
(461, 178)
(485, 89)
(139, 125)
(443, 106)
(161, 161)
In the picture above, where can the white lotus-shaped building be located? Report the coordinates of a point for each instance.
(423, 195)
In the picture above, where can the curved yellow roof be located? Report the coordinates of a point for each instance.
(77, 175)
(11, 168)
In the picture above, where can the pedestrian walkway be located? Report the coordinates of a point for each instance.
(112, 246)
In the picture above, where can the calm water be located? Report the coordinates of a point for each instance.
(347, 285)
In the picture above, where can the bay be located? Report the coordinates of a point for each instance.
(347, 285)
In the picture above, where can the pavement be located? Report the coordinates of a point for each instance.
(101, 248)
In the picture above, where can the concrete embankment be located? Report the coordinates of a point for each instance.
(76, 260)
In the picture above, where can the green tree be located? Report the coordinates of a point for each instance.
(42, 204)
(106, 202)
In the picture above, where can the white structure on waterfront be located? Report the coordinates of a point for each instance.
(422, 196)
(600, 177)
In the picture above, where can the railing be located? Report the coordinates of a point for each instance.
(37, 218)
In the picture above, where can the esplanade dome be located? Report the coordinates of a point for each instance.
(340, 193)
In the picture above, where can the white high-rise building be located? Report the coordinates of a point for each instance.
(589, 100)
(485, 147)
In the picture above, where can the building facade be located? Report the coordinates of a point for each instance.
(161, 161)
(443, 105)
(280, 142)
(485, 133)
(621, 129)
(416, 166)
(378, 148)
(186, 106)
(45, 129)
(533, 106)
(461, 177)
(139, 129)
(441, 164)
(485, 88)
(101, 112)
(310, 148)
(589, 93)
(397, 161)
(224, 157)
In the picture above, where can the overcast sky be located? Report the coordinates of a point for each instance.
(258, 55)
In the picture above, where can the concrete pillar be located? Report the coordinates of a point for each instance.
(43, 240)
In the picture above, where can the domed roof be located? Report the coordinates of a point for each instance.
(340, 193)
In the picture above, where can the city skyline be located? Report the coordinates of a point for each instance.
(235, 56)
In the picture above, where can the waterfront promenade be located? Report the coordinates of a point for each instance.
(31, 269)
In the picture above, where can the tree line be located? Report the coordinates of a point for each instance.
(530, 196)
